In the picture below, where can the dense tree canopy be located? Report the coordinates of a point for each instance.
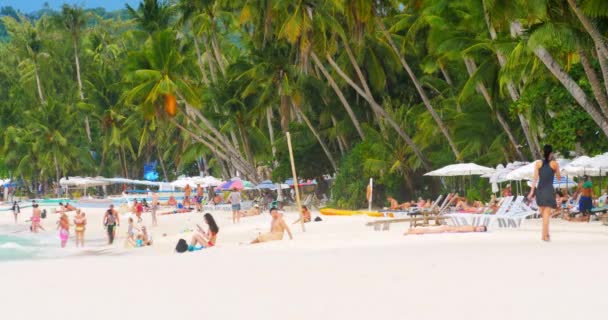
(379, 88)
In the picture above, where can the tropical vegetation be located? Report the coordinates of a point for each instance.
(367, 88)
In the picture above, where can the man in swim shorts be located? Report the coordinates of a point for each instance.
(277, 228)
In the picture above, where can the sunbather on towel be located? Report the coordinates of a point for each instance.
(394, 205)
(446, 229)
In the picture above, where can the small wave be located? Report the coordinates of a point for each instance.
(15, 246)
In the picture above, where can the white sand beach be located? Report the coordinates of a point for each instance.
(337, 269)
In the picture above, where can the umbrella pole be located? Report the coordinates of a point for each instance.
(295, 181)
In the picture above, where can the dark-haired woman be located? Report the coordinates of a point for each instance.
(544, 172)
(205, 238)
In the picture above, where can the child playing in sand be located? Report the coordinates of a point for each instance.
(305, 215)
(130, 231)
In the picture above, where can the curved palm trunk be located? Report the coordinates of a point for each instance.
(573, 88)
(502, 60)
(381, 112)
(340, 95)
(87, 125)
(596, 85)
(425, 99)
(481, 88)
(591, 29)
(221, 155)
(318, 136)
(199, 60)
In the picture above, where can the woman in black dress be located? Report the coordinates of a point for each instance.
(544, 172)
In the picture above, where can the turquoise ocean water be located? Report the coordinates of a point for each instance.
(20, 244)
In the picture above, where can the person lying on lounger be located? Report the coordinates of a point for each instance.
(254, 211)
(446, 229)
(394, 205)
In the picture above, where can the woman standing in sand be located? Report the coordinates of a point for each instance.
(80, 221)
(16, 210)
(64, 229)
(544, 172)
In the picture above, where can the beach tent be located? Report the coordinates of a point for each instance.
(461, 169)
(80, 182)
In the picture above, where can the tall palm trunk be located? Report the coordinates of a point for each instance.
(427, 103)
(39, 84)
(567, 82)
(596, 85)
(317, 135)
(513, 93)
(572, 87)
(271, 135)
(595, 34)
(162, 163)
(199, 60)
(87, 126)
(481, 88)
(340, 95)
(382, 113)
(341, 144)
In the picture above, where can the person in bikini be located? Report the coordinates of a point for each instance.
(80, 222)
(155, 204)
(205, 239)
(446, 229)
(277, 228)
(64, 229)
(394, 205)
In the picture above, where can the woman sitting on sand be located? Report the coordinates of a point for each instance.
(80, 221)
(277, 229)
(305, 214)
(394, 205)
(202, 238)
(446, 229)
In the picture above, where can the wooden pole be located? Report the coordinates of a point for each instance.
(295, 181)
(371, 194)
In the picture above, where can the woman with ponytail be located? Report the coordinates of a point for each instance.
(544, 172)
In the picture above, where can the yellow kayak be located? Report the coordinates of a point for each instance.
(338, 212)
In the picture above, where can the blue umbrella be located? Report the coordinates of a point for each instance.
(267, 184)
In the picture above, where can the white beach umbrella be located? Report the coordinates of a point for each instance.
(527, 172)
(461, 169)
(581, 166)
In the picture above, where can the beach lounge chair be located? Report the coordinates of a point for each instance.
(515, 215)
(481, 219)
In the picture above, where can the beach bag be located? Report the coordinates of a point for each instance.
(43, 214)
(317, 219)
(182, 246)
